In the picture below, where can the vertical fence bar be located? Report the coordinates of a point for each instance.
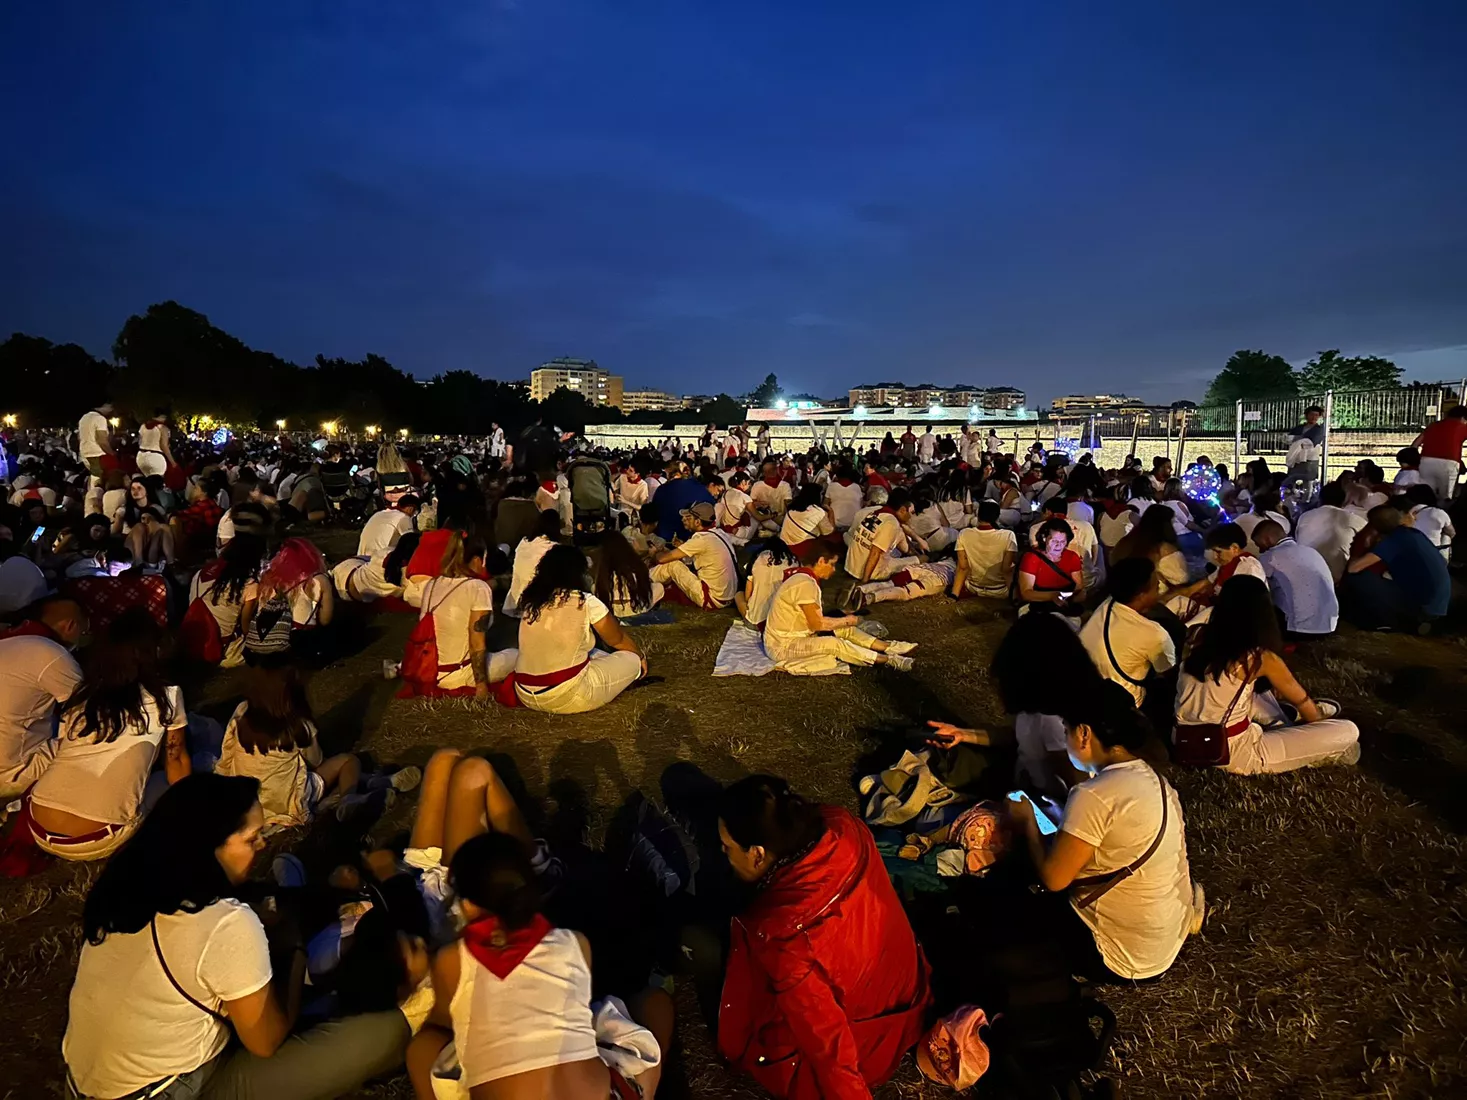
(1238, 438)
(1329, 412)
(1169, 435)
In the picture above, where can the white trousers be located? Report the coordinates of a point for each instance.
(687, 581)
(927, 580)
(888, 565)
(501, 664)
(821, 653)
(1282, 748)
(605, 676)
(151, 463)
(1441, 475)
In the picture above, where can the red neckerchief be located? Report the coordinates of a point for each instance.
(885, 511)
(844, 482)
(1230, 568)
(32, 628)
(1114, 508)
(548, 486)
(498, 949)
(788, 573)
(772, 481)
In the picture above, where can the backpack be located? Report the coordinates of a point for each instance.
(269, 633)
(420, 667)
(198, 634)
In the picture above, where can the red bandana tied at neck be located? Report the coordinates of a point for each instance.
(32, 628)
(772, 481)
(1231, 567)
(788, 573)
(498, 949)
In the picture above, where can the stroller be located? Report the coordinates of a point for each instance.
(590, 494)
(346, 496)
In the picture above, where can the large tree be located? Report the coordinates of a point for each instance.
(1329, 370)
(1252, 375)
(765, 393)
(723, 410)
(173, 357)
(48, 384)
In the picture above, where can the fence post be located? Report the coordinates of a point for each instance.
(1461, 398)
(1238, 439)
(1329, 413)
(1169, 434)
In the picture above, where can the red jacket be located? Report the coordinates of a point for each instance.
(826, 987)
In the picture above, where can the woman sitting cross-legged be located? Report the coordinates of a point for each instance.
(1224, 719)
(513, 994)
(801, 639)
(460, 603)
(558, 667)
(825, 988)
(175, 969)
(112, 730)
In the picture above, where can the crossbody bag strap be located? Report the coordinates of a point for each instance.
(182, 992)
(1111, 653)
(1096, 887)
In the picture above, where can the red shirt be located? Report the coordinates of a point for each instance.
(1444, 439)
(1046, 573)
(201, 517)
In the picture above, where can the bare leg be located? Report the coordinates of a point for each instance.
(422, 1052)
(654, 1010)
(477, 796)
(340, 774)
(432, 814)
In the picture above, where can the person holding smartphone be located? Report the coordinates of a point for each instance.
(1050, 573)
(1119, 859)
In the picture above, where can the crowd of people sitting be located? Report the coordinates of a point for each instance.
(1168, 615)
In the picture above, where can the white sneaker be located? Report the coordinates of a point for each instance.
(899, 649)
(898, 662)
(1199, 908)
(406, 779)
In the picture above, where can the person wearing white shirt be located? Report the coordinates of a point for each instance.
(462, 606)
(703, 567)
(1430, 520)
(927, 447)
(558, 667)
(631, 490)
(383, 529)
(1125, 645)
(734, 509)
(806, 518)
(1083, 541)
(879, 544)
(1330, 528)
(1300, 580)
(1265, 506)
(986, 555)
(527, 557)
(1127, 817)
(37, 672)
(802, 640)
(843, 496)
(94, 438)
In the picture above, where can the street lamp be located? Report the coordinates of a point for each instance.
(403, 432)
(371, 429)
(116, 421)
(11, 420)
(329, 427)
(280, 424)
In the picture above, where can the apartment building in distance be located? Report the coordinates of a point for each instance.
(925, 394)
(1096, 402)
(649, 401)
(580, 376)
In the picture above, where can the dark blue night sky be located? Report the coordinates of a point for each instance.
(1061, 196)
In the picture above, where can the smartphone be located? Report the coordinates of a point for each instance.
(1047, 827)
(36, 535)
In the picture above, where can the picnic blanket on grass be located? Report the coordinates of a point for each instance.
(742, 654)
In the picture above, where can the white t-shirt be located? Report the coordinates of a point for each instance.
(631, 493)
(1139, 645)
(527, 557)
(104, 780)
(1330, 530)
(1037, 735)
(454, 603)
(225, 612)
(1431, 522)
(1115, 528)
(786, 613)
(766, 577)
(844, 502)
(92, 424)
(382, 532)
(1249, 520)
(283, 775)
(776, 498)
(712, 557)
(984, 550)
(1140, 924)
(805, 525)
(731, 508)
(1180, 515)
(129, 1027)
(35, 674)
(878, 531)
(305, 600)
(561, 636)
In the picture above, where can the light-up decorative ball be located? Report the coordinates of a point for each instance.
(221, 437)
(1070, 448)
(1203, 485)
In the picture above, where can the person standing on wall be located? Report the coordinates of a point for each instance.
(1440, 445)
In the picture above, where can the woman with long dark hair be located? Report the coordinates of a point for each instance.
(806, 518)
(230, 584)
(123, 714)
(766, 574)
(174, 967)
(558, 668)
(1154, 537)
(1222, 717)
(623, 581)
(825, 988)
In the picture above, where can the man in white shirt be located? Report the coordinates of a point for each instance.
(381, 532)
(94, 438)
(703, 567)
(772, 494)
(631, 490)
(37, 671)
(733, 511)
(986, 555)
(995, 445)
(843, 496)
(1300, 581)
(881, 544)
(1125, 645)
(1330, 528)
(927, 447)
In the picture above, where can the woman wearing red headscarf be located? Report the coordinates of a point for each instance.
(297, 575)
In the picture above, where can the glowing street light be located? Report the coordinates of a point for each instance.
(934, 410)
(11, 420)
(371, 429)
(280, 424)
(329, 427)
(116, 421)
(859, 410)
(403, 432)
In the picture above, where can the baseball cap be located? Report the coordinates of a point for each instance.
(703, 510)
